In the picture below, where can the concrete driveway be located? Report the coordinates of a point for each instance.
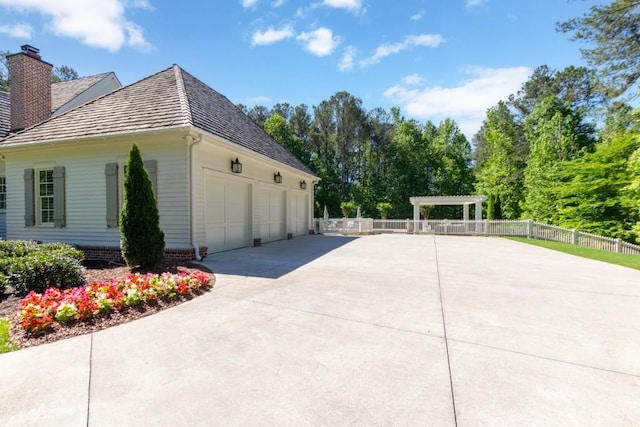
(379, 330)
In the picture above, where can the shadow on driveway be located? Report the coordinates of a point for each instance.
(275, 259)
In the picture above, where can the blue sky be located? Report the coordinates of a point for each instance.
(432, 58)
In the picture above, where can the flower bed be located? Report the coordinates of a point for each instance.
(39, 311)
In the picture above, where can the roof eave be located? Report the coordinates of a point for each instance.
(182, 130)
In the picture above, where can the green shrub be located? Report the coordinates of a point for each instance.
(39, 271)
(64, 249)
(18, 248)
(28, 266)
(142, 240)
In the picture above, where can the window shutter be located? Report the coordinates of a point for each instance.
(152, 170)
(58, 197)
(111, 178)
(29, 200)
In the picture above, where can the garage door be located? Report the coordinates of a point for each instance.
(227, 214)
(299, 214)
(271, 215)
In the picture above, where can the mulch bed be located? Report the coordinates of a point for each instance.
(10, 304)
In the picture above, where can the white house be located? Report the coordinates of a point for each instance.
(220, 181)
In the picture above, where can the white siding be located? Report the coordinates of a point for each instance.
(86, 194)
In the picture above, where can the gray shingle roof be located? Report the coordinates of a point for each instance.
(5, 114)
(167, 99)
(63, 92)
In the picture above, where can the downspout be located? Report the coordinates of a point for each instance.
(192, 141)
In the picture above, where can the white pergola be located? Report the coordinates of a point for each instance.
(465, 201)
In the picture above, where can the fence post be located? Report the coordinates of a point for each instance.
(486, 227)
(529, 229)
(574, 236)
(618, 245)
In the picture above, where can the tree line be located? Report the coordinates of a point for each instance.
(564, 149)
(374, 159)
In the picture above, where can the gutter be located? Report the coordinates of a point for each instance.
(192, 141)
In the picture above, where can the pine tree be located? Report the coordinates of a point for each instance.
(142, 241)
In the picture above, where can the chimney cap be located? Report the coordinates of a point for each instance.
(31, 51)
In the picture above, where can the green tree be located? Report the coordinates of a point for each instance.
(259, 114)
(384, 208)
(501, 175)
(348, 208)
(142, 240)
(63, 73)
(300, 122)
(591, 191)
(278, 128)
(612, 33)
(4, 72)
(283, 109)
(555, 134)
(576, 86)
(452, 151)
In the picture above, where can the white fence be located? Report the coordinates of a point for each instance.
(529, 229)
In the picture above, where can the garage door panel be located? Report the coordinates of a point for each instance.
(227, 214)
(271, 215)
(299, 214)
(215, 203)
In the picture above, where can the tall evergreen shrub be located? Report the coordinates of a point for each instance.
(142, 241)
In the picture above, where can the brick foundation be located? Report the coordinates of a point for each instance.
(113, 254)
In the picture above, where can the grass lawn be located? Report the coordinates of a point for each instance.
(631, 261)
(5, 345)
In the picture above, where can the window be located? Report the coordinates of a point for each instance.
(3, 193)
(44, 198)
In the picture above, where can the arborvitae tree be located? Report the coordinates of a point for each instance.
(142, 241)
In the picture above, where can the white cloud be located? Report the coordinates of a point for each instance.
(466, 102)
(136, 37)
(271, 35)
(97, 23)
(412, 80)
(384, 50)
(348, 59)
(353, 5)
(257, 100)
(418, 16)
(249, 3)
(320, 42)
(142, 4)
(475, 3)
(18, 31)
(278, 3)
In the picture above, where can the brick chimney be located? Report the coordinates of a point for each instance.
(30, 88)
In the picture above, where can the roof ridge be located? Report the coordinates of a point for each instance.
(185, 105)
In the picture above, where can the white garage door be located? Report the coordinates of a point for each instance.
(227, 214)
(271, 215)
(299, 214)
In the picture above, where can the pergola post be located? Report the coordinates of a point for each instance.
(416, 217)
(465, 217)
(478, 216)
